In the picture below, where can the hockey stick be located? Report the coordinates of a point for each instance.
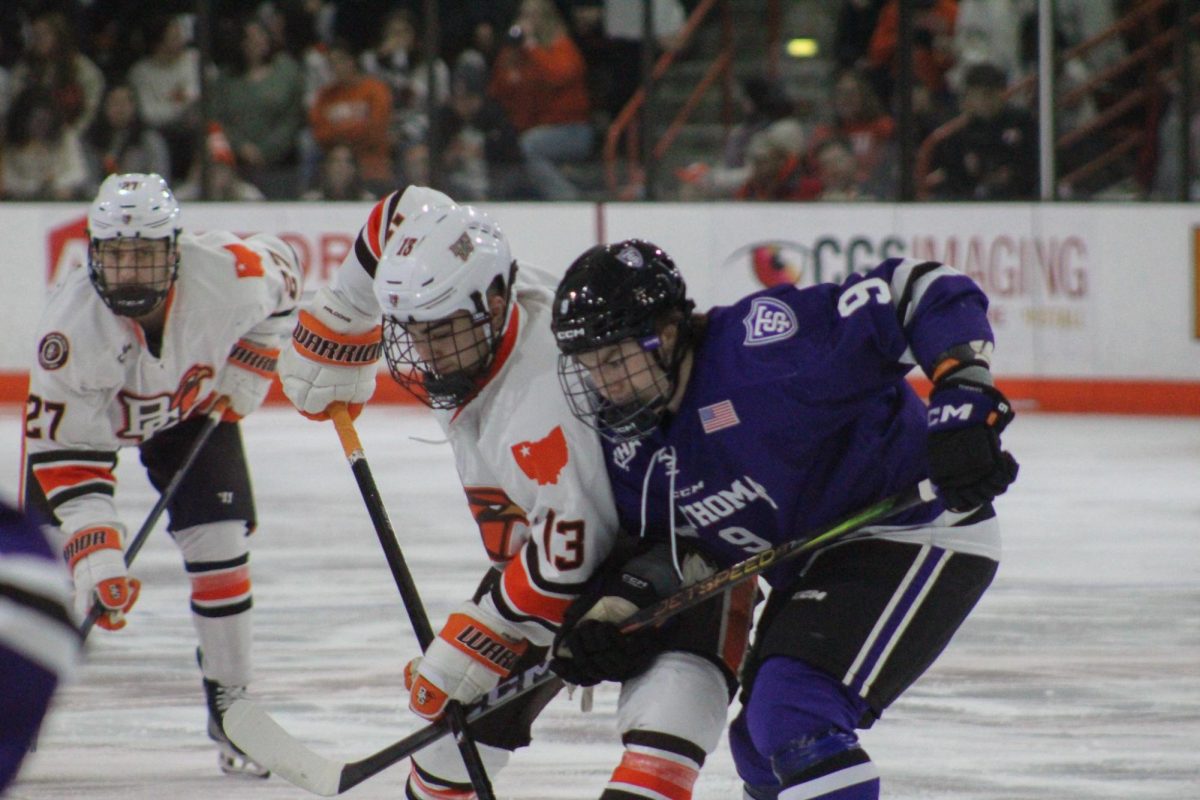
(253, 730)
(698, 592)
(168, 494)
(353, 448)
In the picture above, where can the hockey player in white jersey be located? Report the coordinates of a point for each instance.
(132, 352)
(467, 332)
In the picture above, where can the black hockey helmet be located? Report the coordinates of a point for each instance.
(614, 292)
(611, 293)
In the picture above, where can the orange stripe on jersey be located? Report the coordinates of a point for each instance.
(525, 597)
(211, 587)
(660, 775)
(739, 616)
(470, 636)
(55, 478)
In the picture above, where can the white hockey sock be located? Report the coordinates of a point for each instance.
(438, 771)
(216, 556)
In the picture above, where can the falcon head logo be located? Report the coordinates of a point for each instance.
(187, 394)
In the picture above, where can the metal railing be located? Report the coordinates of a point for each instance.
(623, 127)
(1111, 124)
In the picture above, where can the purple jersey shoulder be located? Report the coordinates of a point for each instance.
(797, 413)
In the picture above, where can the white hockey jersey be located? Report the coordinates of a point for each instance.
(534, 475)
(97, 387)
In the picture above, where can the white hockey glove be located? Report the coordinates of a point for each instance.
(246, 378)
(470, 655)
(98, 568)
(331, 357)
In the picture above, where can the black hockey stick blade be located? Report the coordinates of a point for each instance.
(252, 729)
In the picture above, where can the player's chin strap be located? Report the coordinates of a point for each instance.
(252, 728)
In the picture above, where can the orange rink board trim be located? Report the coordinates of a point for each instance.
(1080, 396)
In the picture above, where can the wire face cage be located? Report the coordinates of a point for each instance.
(132, 275)
(619, 391)
(441, 362)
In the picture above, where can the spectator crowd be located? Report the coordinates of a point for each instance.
(327, 100)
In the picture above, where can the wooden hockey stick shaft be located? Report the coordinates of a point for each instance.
(168, 494)
(353, 448)
(252, 729)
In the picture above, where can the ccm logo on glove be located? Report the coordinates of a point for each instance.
(949, 416)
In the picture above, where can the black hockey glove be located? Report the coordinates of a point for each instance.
(600, 652)
(590, 647)
(965, 460)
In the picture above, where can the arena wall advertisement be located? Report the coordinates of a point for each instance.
(1094, 306)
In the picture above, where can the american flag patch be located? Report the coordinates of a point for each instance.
(718, 416)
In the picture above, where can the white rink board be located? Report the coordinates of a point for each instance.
(1077, 290)
(1088, 291)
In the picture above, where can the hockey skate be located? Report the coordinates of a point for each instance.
(230, 758)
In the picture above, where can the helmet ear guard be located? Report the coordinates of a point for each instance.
(610, 294)
(135, 212)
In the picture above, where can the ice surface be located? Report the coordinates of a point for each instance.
(1077, 677)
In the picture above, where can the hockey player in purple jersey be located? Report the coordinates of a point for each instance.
(774, 416)
(39, 643)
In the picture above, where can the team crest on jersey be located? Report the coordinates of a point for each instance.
(543, 460)
(463, 247)
(53, 351)
(145, 416)
(769, 320)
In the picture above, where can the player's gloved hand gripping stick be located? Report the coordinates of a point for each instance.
(210, 424)
(344, 423)
(253, 729)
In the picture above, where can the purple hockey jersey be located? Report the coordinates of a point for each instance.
(39, 642)
(797, 412)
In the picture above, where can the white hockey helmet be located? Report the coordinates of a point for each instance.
(416, 200)
(441, 261)
(438, 264)
(138, 208)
